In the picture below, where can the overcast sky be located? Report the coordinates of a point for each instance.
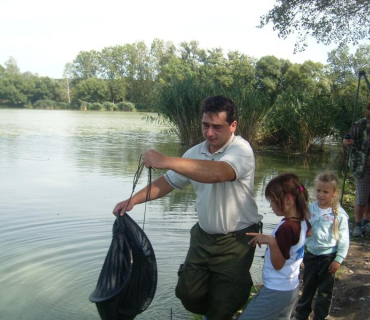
(43, 35)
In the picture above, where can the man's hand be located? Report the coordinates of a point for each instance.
(334, 266)
(159, 188)
(348, 142)
(155, 159)
(123, 207)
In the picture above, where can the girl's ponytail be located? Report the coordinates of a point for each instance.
(302, 202)
(336, 223)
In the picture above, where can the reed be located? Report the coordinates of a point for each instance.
(179, 102)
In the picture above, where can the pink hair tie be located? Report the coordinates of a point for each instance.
(301, 188)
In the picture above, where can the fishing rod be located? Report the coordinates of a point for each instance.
(360, 74)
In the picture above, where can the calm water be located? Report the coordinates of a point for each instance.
(61, 173)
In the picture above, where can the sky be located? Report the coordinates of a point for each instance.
(43, 35)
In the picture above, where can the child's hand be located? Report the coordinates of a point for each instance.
(334, 266)
(260, 239)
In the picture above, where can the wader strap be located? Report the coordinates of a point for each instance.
(260, 227)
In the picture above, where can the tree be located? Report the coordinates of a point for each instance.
(112, 67)
(161, 54)
(92, 90)
(2, 71)
(270, 74)
(310, 78)
(13, 89)
(344, 71)
(132, 63)
(67, 75)
(242, 68)
(11, 66)
(362, 59)
(141, 73)
(213, 68)
(86, 65)
(340, 21)
(192, 54)
(39, 88)
(341, 66)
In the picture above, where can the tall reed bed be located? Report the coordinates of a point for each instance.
(179, 102)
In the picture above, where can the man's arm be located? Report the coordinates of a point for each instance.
(159, 188)
(203, 171)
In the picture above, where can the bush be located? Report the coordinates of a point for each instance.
(109, 106)
(96, 106)
(126, 106)
(296, 121)
(63, 105)
(145, 107)
(84, 105)
(50, 104)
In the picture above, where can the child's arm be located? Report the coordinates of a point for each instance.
(343, 241)
(277, 258)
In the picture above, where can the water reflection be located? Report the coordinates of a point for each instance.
(61, 173)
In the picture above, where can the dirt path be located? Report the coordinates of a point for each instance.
(351, 299)
(352, 287)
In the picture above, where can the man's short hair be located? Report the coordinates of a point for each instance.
(216, 104)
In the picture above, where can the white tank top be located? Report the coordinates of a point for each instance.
(286, 278)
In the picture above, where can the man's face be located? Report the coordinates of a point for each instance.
(216, 130)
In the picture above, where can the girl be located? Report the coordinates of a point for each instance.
(327, 248)
(284, 252)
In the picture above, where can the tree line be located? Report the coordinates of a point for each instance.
(280, 103)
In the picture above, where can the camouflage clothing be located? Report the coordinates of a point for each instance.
(360, 150)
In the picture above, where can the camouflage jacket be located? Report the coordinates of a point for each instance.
(360, 150)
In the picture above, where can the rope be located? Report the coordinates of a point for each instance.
(136, 180)
(148, 190)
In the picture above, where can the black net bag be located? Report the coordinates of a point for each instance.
(128, 279)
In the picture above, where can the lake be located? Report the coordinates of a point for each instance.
(61, 174)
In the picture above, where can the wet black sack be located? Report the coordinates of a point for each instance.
(128, 279)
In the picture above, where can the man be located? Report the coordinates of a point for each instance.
(359, 163)
(215, 279)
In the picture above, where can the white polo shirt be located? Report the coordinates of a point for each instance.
(226, 206)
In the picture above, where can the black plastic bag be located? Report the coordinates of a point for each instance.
(128, 279)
